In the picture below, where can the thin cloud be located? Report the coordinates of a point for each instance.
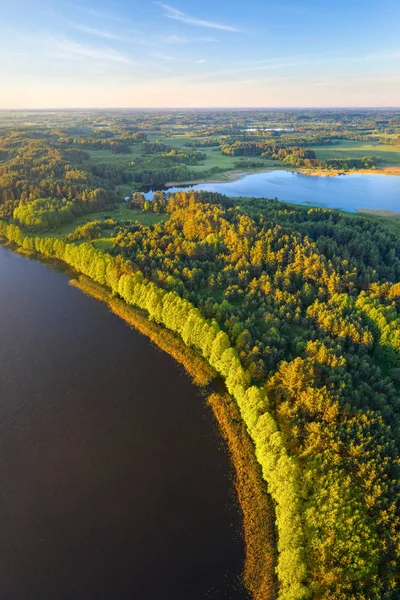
(286, 63)
(167, 57)
(176, 39)
(70, 50)
(131, 37)
(100, 14)
(92, 31)
(161, 56)
(254, 67)
(173, 13)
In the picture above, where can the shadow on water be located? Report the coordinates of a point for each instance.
(114, 481)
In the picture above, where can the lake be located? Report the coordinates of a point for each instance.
(346, 192)
(114, 481)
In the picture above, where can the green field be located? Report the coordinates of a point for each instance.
(215, 158)
(122, 213)
(390, 155)
(177, 141)
(110, 157)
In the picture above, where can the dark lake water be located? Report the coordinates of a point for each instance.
(114, 482)
(346, 192)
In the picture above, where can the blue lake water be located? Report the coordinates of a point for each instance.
(346, 192)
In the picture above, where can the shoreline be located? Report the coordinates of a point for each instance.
(390, 171)
(195, 365)
(231, 176)
(389, 214)
(236, 175)
(260, 536)
(255, 501)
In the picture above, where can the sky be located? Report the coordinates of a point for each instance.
(191, 53)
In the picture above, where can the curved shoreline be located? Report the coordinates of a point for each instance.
(181, 317)
(195, 365)
(259, 532)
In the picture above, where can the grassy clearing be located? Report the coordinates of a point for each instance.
(107, 156)
(104, 244)
(390, 155)
(177, 141)
(122, 213)
(215, 158)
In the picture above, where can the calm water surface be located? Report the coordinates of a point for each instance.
(346, 192)
(114, 483)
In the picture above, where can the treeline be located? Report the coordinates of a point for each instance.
(88, 231)
(210, 143)
(346, 164)
(246, 163)
(392, 141)
(312, 139)
(291, 155)
(268, 149)
(48, 214)
(143, 171)
(157, 205)
(296, 156)
(116, 145)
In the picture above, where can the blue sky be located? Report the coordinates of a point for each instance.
(140, 53)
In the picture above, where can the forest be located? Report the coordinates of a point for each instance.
(295, 308)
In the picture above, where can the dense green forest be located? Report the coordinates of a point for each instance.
(296, 309)
(300, 295)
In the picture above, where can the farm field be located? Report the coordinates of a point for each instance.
(390, 155)
(111, 157)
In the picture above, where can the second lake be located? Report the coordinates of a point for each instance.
(345, 192)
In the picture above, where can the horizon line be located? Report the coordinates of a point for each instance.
(310, 107)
